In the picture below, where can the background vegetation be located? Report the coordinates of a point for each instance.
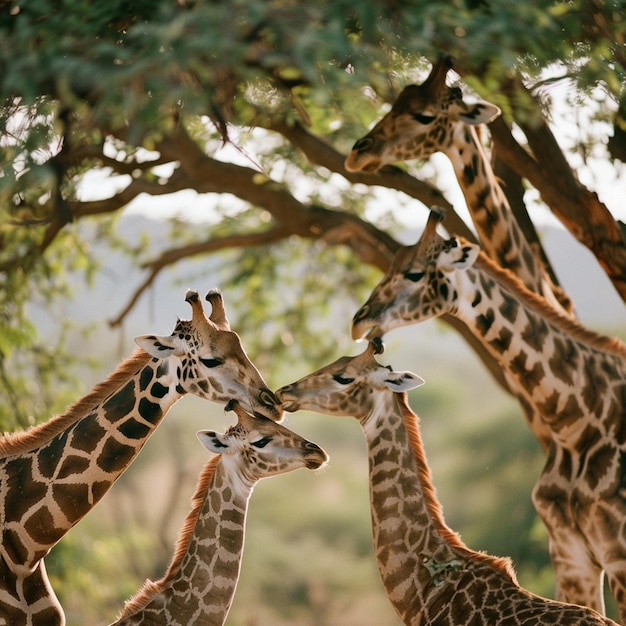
(229, 122)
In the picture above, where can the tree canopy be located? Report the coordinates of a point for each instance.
(149, 93)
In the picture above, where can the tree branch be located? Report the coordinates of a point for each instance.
(290, 215)
(169, 257)
(320, 153)
(125, 196)
(580, 210)
(373, 246)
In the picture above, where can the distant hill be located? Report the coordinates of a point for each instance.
(596, 301)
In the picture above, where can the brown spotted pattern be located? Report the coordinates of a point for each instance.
(433, 117)
(431, 577)
(200, 582)
(52, 475)
(573, 378)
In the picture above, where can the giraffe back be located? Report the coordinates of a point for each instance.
(24, 441)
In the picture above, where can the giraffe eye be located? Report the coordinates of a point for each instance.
(261, 443)
(413, 276)
(211, 362)
(341, 380)
(423, 119)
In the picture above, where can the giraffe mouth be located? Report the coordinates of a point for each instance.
(290, 405)
(374, 334)
(372, 167)
(369, 167)
(314, 464)
(286, 403)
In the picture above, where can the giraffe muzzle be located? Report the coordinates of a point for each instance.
(315, 457)
(361, 157)
(364, 326)
(288, 404)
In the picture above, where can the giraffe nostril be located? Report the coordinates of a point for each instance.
(361, 314)
(267, 398)
(363, 144)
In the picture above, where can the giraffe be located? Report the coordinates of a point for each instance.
(433, 117)
(200, 582)
(573, 377)
(52, 475)
(429, 574)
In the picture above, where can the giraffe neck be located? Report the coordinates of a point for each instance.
(414, 547)
(200, 583)
(499, 232)
(66, 475)
(29, 600)
(571, 376)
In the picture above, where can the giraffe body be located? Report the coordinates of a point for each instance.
(200, 583)
(52, 475)
(572, 377)
(431, 577)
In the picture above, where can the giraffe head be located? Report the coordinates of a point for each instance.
(421, 122)
(209, 360)
(419, 284)
(349, 386)
(261, 448)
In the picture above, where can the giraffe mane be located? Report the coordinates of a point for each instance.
(151, 588)
(35, 436)
(502, 564)
(571, 326)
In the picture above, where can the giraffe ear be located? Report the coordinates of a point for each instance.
(479, 113)
(457, 256)
(403, 381)
(158, 347)
(212, 441)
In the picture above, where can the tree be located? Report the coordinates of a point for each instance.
(147, 92)
(156, 96)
